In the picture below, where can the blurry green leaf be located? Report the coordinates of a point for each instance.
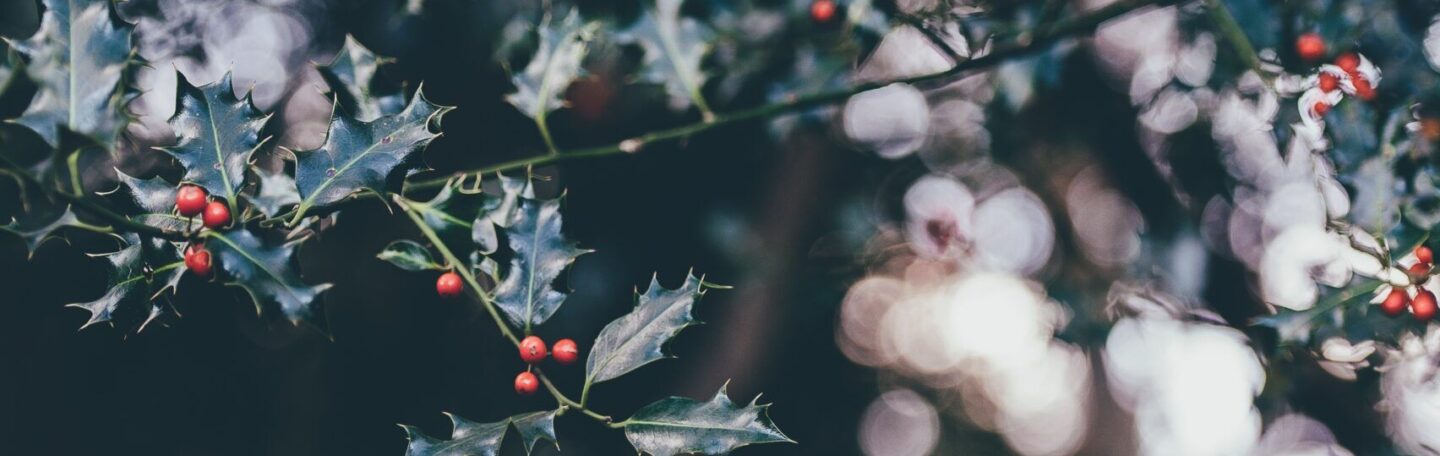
(138, 273)
(360, 155)
(79, 58)
(679, 425)
(638, 338)
(1296, 327)
(264, 269)
(409, 255)
(526, 295)
(217, 134)
(481, 439)
(351, 77)
(674, 48)
(540, 88)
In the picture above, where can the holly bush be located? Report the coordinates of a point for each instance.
(1261, 224)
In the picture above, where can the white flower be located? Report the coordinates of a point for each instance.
(1340, 358)
(1410, 389)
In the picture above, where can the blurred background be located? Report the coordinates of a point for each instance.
(1061, 255)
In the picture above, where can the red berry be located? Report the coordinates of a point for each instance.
(1328, 82)
(1423, 307)
(1395, 302)
(198, 260)
(190, 200)
(216, 215)
(1363, 89)
(1310, 46)
(565, 351)
(1348, 62)
(1423, 254)
(449, 285)
(526, 384)
(822, 11)
(1320, 108)
(1419, 270)
(532, 350)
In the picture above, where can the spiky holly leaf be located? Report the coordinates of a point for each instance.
(264, 269)
(498, 209)
(359, 156)
(674, 48)
(563, 44)
(410, 256)
(37, 225)
(277, 190)
(156, 197)
(144, 269)
(534, 426)
(639, 337)
(351, 77)
(481, 439)
(677, 425)
(527, 295)
(79, 59)
(217, 134)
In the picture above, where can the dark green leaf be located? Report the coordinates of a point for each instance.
(526, 294)
(539, 89)
(638, 338)
(674, 48)
(277, 190)
(409, 255)
(157, 198)
(217, 134)
(138, 273)
(36, 226)
(351, 77)
(1297, 326)
(360, 155)
(481, 439)
(264, 269)
(499, 210)
(79, 59)
(679, 425)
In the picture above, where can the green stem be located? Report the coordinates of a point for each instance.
(567, 402)
(118, 222)
(1230, 29)
(545, 133)
(73, 163)
(465, 272)
(1042, 39)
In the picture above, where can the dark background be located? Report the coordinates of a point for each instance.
(760, 214)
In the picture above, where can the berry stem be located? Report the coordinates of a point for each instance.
(567, 402)
(465, 272)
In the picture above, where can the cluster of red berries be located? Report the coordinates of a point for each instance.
(533, 351)
(1423, 305)
(822, 11)
(1311, 47)
(191, 201)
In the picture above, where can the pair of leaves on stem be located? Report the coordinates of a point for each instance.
(470, 438)
(674, 47)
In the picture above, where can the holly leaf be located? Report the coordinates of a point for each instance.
(263, 268)
(527, 295)
(277, 190)
(410, 256)
(674, 48)
(677, 425)
(556, 63)
(534, 426)
(481, 439)
(359, 155)
(1296, 327)
(217, 134)
(351, 78)
(498, 210)
(138, 273)
(157, 198)
(79, 59)
(38, 225)
(639, 337)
